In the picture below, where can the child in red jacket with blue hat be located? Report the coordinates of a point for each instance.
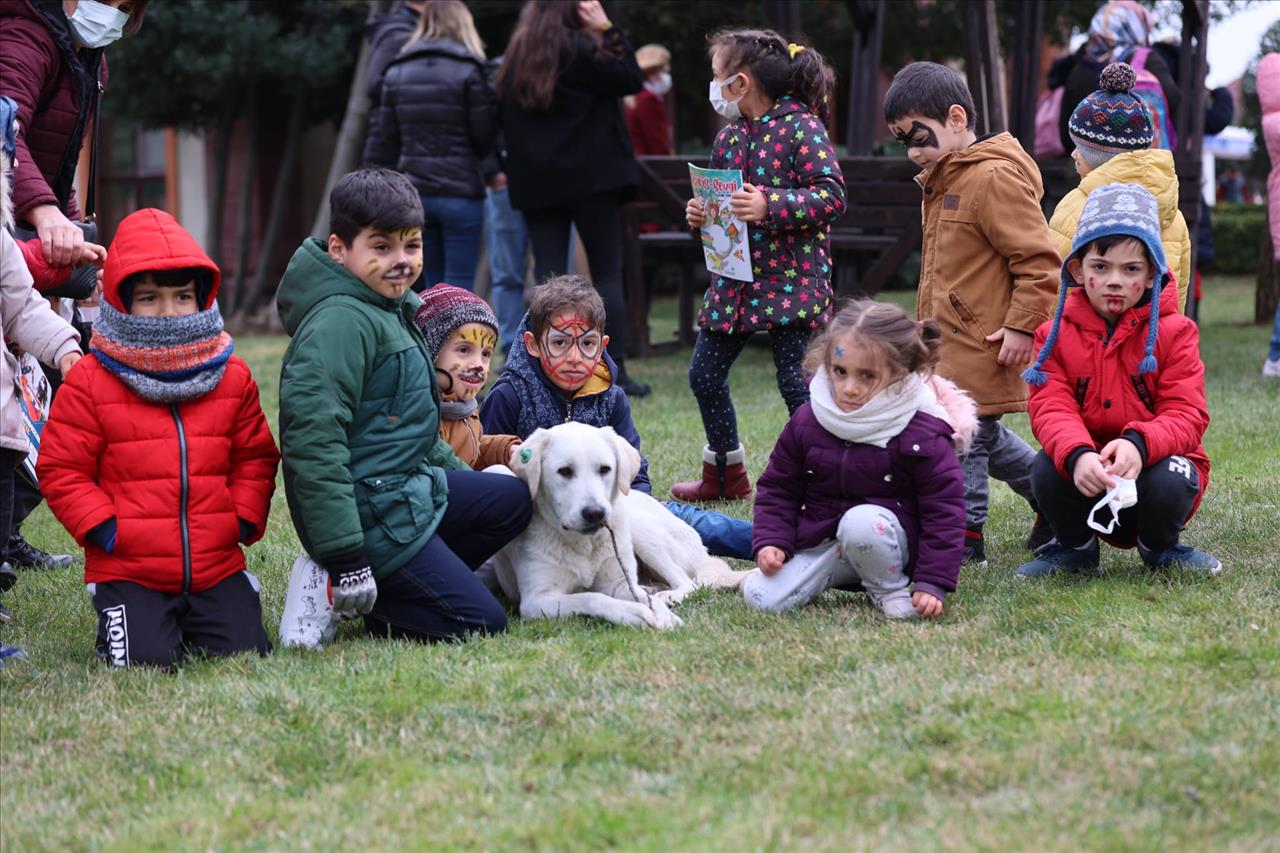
(158, 459)
(1117, 392)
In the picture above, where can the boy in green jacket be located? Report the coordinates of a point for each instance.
(379, 501)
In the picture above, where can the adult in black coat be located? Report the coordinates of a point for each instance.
(1116, 31)
(436, 123)
(387, 33)
(569, 159)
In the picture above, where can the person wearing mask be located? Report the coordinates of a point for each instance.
(53, 66)
(647, 120)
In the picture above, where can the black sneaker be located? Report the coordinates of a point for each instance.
(1180, 557)
(974, 552)
(8, 653)
(24, 555)
(8, 577)
(1055, 557)
(1041, 534)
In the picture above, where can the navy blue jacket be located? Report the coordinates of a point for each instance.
(524, 399)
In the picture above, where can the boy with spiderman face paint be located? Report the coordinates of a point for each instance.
(563, 372)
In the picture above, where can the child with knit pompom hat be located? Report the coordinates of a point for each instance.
(1117, 391)
(158, 459)
(462, 333)
(1112, 132)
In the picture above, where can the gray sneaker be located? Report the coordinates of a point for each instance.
(1180, 557)
(1054, 558)
(896, 604)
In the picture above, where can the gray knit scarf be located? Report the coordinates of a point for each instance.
(163, 359)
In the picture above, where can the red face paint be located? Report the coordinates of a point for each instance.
(569, 351)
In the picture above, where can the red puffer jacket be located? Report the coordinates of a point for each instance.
(54, 86)
(157, 468)
(1095, 394)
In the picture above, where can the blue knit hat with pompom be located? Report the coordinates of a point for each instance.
(1124, 210)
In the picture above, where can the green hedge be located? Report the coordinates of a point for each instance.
(1237, 231)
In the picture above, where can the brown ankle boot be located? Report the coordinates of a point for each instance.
(724, 477)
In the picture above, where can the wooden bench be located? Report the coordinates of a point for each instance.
(879, 231)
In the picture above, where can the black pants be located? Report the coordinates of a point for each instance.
(1167, 490)
(436, 595)
(600, 227)
(715, 352)
(9, 460)
(138, 625)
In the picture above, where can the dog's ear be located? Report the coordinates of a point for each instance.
(628, 460)
(528, 460)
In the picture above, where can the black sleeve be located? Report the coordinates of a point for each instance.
(1220, 110)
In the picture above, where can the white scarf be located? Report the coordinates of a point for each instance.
(879, 419)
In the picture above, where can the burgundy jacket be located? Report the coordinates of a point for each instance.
(55, 89)
(813, 478)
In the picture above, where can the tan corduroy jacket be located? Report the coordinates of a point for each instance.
(987, 261)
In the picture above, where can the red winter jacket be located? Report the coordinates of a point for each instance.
(54, 86)
(1095, 394)
(107, 453)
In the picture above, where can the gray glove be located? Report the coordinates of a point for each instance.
(354, 591)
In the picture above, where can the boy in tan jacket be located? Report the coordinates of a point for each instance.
(988, 271)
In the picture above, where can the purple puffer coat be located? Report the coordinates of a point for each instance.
(813, 478)
(55, 88)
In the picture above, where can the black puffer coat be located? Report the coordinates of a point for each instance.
(437, 119)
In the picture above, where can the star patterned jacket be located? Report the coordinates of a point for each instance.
(786, 153)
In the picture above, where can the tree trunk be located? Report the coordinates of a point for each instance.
(218, 194)
(248, 180)
(1268, 291)
(350, 144)
(280, 200)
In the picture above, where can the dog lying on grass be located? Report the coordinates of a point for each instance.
(593, 540)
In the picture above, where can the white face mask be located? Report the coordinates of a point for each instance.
(659, 85)
(96, 24)
(726, 108)
(1122, 495)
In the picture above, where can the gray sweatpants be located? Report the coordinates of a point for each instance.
(870, 546)
(998, 452)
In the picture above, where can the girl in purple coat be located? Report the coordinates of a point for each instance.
(775, 96)
(864, 485)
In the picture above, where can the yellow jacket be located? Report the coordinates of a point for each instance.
(1151, 168)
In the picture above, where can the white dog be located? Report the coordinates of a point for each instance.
(578, 555)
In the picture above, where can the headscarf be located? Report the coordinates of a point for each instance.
(1116, 28)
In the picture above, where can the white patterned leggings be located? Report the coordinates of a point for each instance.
(870, 547)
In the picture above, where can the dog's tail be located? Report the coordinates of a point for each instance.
(714, 572)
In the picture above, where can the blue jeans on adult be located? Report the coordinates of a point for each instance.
(436, 595)
(451, 240)
(508, 247)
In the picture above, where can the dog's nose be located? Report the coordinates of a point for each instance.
(593, 514)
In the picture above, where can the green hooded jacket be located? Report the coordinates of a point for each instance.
(359, 419)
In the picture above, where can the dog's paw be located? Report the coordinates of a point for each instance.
(672, 597)
(663, 618)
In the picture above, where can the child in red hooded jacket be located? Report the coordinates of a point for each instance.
(157, 457)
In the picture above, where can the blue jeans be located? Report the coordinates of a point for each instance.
(436, 595)
(508, 247)
(724, 535)
(1273, 352)
(451, 240)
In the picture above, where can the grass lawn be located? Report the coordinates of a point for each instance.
(1137, 710)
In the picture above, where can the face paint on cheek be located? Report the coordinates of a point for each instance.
(372, 266)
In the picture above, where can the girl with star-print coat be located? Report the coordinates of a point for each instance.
(775, 95)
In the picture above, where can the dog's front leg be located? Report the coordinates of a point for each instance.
(599, 605)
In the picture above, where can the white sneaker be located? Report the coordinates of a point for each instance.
(308, 619)
(896, 604)
(1271, 367)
